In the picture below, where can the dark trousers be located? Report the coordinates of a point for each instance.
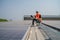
(37, 21)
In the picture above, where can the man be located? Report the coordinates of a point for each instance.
(37, 18)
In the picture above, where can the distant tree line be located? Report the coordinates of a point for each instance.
(44, 17)
(3, 20)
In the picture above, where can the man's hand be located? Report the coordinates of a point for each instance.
(40, 19)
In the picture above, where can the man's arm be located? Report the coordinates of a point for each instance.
(40, 18)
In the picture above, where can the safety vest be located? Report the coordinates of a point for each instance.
(38, 16)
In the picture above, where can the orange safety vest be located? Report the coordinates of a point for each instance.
(38, 16)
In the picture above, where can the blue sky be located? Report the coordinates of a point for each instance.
(16, 9)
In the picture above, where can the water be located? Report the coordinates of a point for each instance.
(17, 29)
(13, 30)
(53, 34)
(55, 23)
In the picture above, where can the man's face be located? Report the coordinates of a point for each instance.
(36, 13)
